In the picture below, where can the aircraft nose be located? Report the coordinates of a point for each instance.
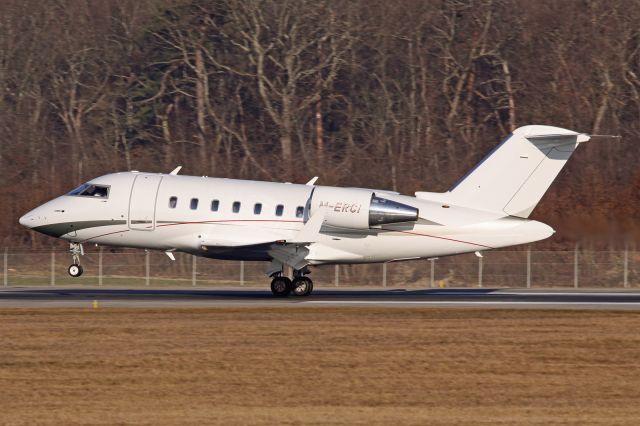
(33, 218)
(27, 220)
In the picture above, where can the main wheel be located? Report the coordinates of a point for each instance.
(302, 286)
(75, 270)
(281, 286)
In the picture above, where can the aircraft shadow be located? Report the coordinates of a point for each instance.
(245, 294)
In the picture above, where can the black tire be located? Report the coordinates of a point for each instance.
(75, 270)
(302, 286)
(281, 286)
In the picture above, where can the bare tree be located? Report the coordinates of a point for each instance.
(406, 95)
(292, 52)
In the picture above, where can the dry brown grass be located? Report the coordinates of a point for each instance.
(319, 366)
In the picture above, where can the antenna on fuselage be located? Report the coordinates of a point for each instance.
(606, 136)
(176, 170)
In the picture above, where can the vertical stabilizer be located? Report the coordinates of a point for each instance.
(514, 176)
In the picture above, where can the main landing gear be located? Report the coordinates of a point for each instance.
(282, 286)
(75, 270)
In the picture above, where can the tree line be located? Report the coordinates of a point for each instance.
(404, 95)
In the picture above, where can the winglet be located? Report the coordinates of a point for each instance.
(310, 230)
(312, 181)
(176, 170)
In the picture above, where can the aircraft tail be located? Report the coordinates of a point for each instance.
(516, 174)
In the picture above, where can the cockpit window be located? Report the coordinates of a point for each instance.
(79, 189)
(91, 190)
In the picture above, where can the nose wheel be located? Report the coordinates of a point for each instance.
(75, 270)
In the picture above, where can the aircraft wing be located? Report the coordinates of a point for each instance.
(241, 236)
(283, 247)
(310, 231)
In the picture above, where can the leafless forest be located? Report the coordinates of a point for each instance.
(405, 95)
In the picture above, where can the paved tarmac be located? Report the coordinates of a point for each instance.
(67, 297)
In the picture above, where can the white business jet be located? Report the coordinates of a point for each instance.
(296, 227)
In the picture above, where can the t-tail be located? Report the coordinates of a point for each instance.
(515, 175)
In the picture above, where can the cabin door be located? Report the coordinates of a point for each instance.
(142, 204)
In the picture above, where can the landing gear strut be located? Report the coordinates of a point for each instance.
(75, 270)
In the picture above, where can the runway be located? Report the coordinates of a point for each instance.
(72, 297)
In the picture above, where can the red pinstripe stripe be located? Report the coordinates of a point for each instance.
(104, 235)
(202, 222)
(228, 221)
(288, 221)
(445, 238)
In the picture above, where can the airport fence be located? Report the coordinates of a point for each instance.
(523, 268)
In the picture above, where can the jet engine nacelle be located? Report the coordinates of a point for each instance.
(356, 208)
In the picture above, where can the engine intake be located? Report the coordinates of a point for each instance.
(358, 208)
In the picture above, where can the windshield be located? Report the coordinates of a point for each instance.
(91, 190)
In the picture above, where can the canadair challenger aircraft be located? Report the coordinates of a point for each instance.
(296, 227)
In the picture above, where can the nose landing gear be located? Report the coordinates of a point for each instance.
(75, 270)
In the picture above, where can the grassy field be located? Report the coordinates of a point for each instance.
(319, 366)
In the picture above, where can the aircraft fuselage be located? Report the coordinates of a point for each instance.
(204, 216)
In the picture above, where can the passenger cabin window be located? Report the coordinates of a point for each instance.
(215, 205)
(257, 209)
(91, 190)
(279, 210)
(194, 204)
(236, 206)
(299, 211)
(173, 202)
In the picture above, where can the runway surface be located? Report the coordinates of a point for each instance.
(60, 297)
